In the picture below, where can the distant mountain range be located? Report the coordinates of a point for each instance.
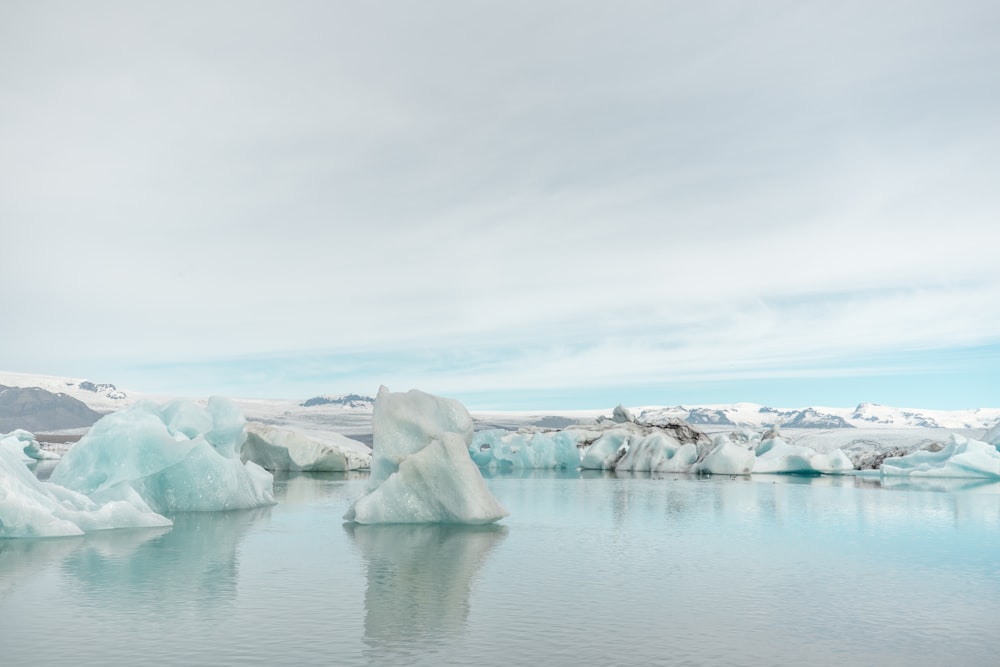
(43, 403)
(38, 410)
(354, 401)
(865, 415)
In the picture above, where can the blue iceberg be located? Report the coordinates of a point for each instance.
(177, 457)
(506, 450)
(31, 508)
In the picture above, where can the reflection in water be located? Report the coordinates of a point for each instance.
(20, 559)
(313, 487)
(193, 564)
(419, 579)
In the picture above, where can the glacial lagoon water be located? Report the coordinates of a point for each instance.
(588, 569)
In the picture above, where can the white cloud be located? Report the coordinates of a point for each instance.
(654, 190)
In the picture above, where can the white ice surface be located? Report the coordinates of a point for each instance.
(992, 435)
(961, 457)
(277, 448)
(421, 468)
(776, 455)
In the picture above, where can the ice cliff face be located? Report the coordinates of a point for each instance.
(421, 469)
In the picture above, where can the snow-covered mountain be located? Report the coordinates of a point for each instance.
(355, 401)
(351, 413)
(98, 396)
(865, 415)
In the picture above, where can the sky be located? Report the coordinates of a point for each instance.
(518, 204)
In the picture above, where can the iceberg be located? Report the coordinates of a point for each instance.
(658, 452)
(775, 455)
(421, 470)
(275, 448)
(961, 457)
(605, 452)
(726, 457)
(31, 508)
(23, 444)
(631, 447)
(177, 457)
(503, 450)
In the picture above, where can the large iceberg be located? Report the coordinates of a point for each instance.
(30, 508)
(275, 448)
(178, 457)
(961, 457)
(421, 469)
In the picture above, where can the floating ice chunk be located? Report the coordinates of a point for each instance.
(178, 457)
(25, 446)
(658, 452)
(775, 455)
(607, 450)
(421, 469)
(276, 448)
(726, 458)
(962, 457)
(515, 450)
(30, 508)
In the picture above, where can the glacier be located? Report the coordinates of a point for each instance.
(276, 448)
(177, 457)
(31, 508)
(421, 470)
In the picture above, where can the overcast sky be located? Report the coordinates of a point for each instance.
(518, 204)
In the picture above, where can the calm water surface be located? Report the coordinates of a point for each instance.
(595, 568)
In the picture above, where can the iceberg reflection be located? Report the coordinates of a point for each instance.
(196, 560)
(419, 579)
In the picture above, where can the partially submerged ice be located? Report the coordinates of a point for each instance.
(776, 455)
(275, 448)
(31, 508)
(961, 457)
(524, 450)
(178, 457)
(421, 470)
(676, 447)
